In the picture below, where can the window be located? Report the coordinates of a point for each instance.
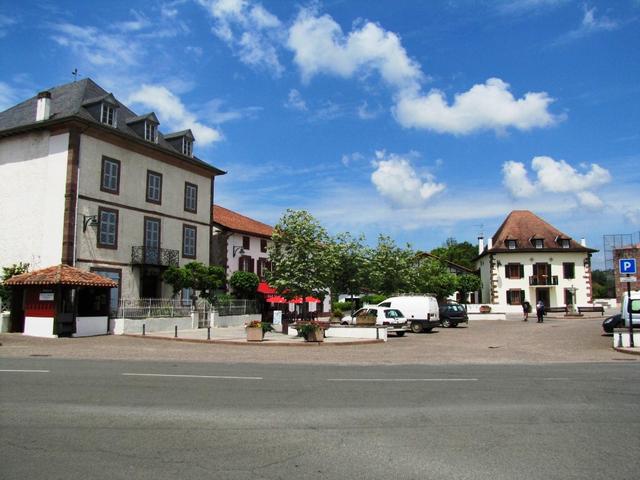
(150, 131)
(110, 176)
(515, 297)
(114, 274)
(263, 245)
(538, 242)
(565, 243)
(245, 263)
(514, 270)
(512, 244)
(246, 243)
(569, 270)
(189, 241)
(568, 297)
(187, 147)
(262, 266)
(190, 197)
(108, 114)
(107, 228)
(152, 240)
(154, 187)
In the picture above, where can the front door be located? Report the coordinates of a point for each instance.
(543, 294)
(151, 241)
(150, 284)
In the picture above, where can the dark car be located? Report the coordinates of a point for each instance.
(451, 314)
(615, 321)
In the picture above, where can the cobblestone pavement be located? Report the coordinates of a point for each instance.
(508, 341)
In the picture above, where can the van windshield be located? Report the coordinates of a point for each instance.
(635, 305)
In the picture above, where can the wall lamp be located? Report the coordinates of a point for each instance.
(89, 221)
(238, 250)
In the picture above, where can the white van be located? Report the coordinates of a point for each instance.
(635, 308)
(421, 311)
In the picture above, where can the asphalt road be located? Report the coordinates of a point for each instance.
(80, 419)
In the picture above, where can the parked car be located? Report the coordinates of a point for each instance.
(452, 314)
(614, 321)
(635, 308)
(392, 318)
(421, 311)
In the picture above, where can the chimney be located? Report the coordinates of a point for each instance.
(43, 107)
(583, 242)
(489, 243)
(480, 245)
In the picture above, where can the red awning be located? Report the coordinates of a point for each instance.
(306, 299)
(276, 299)
(264, 287)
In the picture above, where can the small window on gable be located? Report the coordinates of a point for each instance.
(565, 243)
(187, 147)
(246, 243)
(108, 114)
(150, 131)
(538, 242)
(511, 244)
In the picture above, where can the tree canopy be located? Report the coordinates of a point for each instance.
(459, 253)
(196, 275)
(244, 284)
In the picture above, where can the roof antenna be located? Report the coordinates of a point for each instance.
(75, 74)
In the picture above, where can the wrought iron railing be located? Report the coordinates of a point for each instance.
(171, 307)
(540, 280)
(154, 256)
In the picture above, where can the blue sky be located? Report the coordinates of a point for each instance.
(420, 120)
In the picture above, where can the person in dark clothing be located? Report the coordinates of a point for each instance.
(540, 311)
(526, 308)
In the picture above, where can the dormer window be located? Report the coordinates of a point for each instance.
(187, 147)
(537, 242)
(565, 243)
(512, 244)
(108, 114)
(150, 131)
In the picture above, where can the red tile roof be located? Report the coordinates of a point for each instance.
(523, 226)
(239, 223)
(61, 275)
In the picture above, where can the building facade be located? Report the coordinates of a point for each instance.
(528, 259)
(86, 182)
(629, 251)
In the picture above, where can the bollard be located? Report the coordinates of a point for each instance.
(143, 329)
(175, 335)
(208, 333)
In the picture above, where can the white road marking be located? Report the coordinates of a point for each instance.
(224, 377)
(26, 371)
(402, 379)
(557, 378)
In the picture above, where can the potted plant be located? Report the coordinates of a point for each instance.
(256, 330)
(311, 331)
(485, 309)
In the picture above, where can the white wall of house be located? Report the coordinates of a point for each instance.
(33, 169)
(235, 240)
(581, 280)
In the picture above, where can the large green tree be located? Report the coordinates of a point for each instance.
(433, 277)
(468, 283)
(204, 278)
(244, 284)
(7, 273)
(300, 256)
(348, 261)
(458, 253)
(391, 268)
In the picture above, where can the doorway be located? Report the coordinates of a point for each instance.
(150, 284)
(543, 294)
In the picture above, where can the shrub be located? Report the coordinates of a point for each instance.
(373, 299)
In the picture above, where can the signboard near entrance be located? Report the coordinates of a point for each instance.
(628, 279)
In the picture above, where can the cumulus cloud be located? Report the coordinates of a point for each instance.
(295, 101)
(632, 216)
(249, 29)
(320, 46)
(555, 176)
(172, 111)
(397, 181)
(488, 106)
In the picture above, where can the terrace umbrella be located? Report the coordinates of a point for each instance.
(276, 299)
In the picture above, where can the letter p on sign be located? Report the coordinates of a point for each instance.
(628, 266)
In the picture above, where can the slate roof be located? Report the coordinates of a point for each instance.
(523, 226)
(239, 223)
(61, 275)
(68, 101)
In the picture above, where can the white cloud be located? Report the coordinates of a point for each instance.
(320, 46)
(365, 113)
(632, 216)
(215, 112)
(249, 29)
(555, 176)
(5, 23)
(351, 158)
(295, 101)
(397, 181)
(590, 25)
(488, 106)
(171, 110)
(9, 96)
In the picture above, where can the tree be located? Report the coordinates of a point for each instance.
(434, 278)
(459, 253)
(466, 284)
(244, 284)
(299, 256)
(7, 273)
(196, 275)
(348, 263)
(603, 284)
(391, 268)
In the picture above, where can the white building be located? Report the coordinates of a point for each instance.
(528, 259)
(86, 182)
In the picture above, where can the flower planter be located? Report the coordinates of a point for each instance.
(485, 309)
(315, 335)
(254, 334)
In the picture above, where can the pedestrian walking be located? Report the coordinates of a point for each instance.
(540, 311)
(526, 308)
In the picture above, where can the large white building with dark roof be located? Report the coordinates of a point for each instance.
(87, 182)
(528, 259)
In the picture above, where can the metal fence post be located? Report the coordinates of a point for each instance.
(143, 329)
(176, 332)
(208, 333)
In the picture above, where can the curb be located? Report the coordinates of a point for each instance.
(628, 351)
(267, 343)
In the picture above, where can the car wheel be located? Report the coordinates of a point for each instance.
(344, 323)
(416, 327)
(400, 334)
(446, 323)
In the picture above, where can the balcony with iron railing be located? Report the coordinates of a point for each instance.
(543, 280)
(162, 257)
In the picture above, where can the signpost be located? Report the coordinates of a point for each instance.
(628, 267)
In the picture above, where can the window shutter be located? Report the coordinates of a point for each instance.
(521, 296)
(521, 271)
(240, 264)
(508, 297)
(506, 271)
(535, 269)
(252, 265)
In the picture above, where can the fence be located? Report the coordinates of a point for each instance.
(228, 307)
(169, 307)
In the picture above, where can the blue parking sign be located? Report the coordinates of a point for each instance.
(627, 266)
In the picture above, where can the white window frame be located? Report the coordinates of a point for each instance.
(106, 110)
